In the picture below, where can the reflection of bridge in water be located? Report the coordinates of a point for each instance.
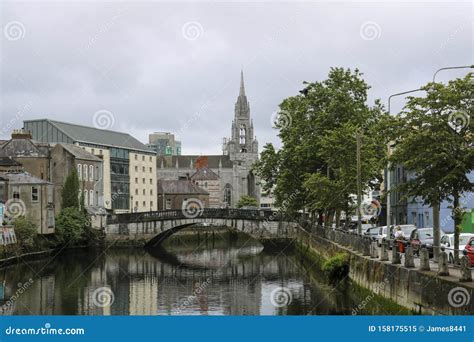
(156, 226)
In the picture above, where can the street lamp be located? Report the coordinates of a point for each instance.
(452, 68)
(436, 206)
(389, 230)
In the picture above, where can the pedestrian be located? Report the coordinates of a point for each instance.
(400, 238)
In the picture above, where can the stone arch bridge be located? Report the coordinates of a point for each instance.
(153, 227)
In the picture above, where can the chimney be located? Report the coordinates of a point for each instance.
(21, 134)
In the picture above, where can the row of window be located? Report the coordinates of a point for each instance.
(143, 180)
(85, 172)
(144, 192)
(144, 204)
(88, 197)
(143, 169)
(143, 157)
(34, 193)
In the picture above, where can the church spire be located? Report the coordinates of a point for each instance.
(242, 86)
(242, 106)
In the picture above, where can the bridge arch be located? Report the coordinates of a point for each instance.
(152, 228)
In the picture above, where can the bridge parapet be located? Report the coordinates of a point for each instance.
(211, 213)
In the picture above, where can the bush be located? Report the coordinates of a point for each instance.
(247, 201)
(337, 267)
(25, 231)
(71, 226)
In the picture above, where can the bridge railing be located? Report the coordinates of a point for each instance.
(164, 215)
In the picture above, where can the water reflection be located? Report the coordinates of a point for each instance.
(211, 281)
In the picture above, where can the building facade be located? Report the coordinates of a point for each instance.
(121, 155)
(164, 144)
(233, 166)
(65, 158)
(177, 194)
(28, 196)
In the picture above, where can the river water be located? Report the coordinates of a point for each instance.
(219, 278)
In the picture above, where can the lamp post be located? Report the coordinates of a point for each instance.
(389, 229)
(436, 205)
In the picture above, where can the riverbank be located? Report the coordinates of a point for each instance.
(422, 292)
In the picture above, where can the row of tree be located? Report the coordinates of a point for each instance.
(315, 170)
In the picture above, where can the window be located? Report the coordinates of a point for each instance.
(136, 156)
(91, 173)
(151, 180)
(151, 192)
(168, 203)
(144, 203)
(144, 181)
(91, 197)
(136, 191)
(79, 171)
(84, 172)
(50, 190)
(34, 194)
(143, 169)
(16, 192)
(50, 218)
(92, 151)
(143, 158)
(151, 159)
(205, 184)
(151, 204)
(136, 204)
(100, 152)
(86, 197)
(144, 193)
(136, 168)
(151, 169)
(136, 180)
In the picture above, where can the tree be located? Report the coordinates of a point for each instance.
(247, 201)
(25, 231)
(434, 140)
(70, 191)
(71, 225)
(315, 168)
(266, 168)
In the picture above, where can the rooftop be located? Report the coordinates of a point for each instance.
(79, 152)
(180, 187)
(187, 162)
(92, 135)
(23, 178)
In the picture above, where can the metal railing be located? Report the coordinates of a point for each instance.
(211, 213)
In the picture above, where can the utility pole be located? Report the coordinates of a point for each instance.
(359, 184)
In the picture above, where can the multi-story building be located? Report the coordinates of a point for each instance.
(29, 196)
(164, 144)
(129, 167)
(65, 158)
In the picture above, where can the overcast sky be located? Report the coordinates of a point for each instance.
(157, 66)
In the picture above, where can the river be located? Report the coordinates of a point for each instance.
(223, 277)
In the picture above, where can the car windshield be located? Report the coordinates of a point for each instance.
(426, 234)
(463, 240)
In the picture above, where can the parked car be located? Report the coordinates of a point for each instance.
(372, 232)
(447, 242)
(422, 237)
(469, 250)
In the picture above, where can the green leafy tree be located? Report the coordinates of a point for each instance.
(434, 140)
(70, 191)
(315, 168)
(247, 201)
(71, 226)
(25, 231)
